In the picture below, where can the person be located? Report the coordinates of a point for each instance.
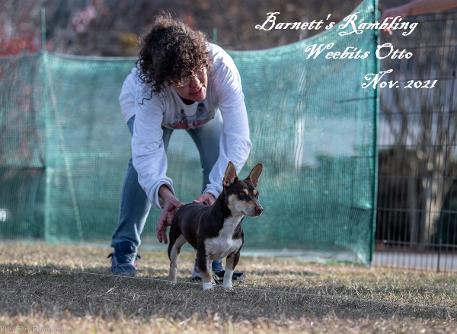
(417, 7)
(180, 81)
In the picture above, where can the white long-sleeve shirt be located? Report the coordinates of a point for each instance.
(154, 110)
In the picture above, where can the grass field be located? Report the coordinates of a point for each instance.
(54, 288)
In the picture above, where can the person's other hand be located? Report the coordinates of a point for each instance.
(205, 198)
(170, 206)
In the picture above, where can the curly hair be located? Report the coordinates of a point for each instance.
(171, 51)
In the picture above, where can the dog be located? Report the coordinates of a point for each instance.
(215, 231)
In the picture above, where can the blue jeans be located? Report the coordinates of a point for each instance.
(134, 204)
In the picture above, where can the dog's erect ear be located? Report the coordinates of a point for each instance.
(255, 174)
(230, 174)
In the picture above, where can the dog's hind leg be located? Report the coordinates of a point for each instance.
(230, 263)
(176, 242)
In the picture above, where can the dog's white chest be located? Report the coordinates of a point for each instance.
(223, 245)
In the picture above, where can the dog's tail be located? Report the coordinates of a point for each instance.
(173, 235)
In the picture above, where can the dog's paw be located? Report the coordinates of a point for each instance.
(173, 279)
(228, 286)
(208, 286)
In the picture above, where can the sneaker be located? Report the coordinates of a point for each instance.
(218, 276)
(197, 277)
(123, 259)
(236, 276)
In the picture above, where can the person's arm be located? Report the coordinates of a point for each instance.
(148, 151)
(235, 144)
(150, 160)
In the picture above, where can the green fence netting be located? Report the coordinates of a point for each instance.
(65, 147)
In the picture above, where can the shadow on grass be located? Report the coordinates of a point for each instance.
(55, 290)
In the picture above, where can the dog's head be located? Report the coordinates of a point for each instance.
(242, 195)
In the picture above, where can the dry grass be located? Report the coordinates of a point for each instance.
(43, 289)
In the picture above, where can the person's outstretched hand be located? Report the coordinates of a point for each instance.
(170, 205)
(205, 198)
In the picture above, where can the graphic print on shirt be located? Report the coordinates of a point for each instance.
(195, 120)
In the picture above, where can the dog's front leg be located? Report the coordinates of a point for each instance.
(204, 264)
(230, 263)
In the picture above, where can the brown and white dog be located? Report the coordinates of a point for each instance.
(215, 231)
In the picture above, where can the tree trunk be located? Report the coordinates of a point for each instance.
(434, 191)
